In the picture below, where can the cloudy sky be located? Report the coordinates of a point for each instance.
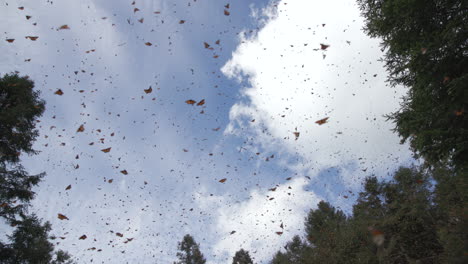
(246, 156)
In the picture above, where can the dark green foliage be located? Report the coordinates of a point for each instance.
(62, 257)
(450, 197)
(30, 241)
(323, 229)
(334, 238)
(7, 254)
(280, 258)
(242, 257)
(189, 252)
(20, 106)
(323, 224)
(15, 186)
(406, 217)
(29, 244)
(415, 223)
(426, 50)
(295, 253)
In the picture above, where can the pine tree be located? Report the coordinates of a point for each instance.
(62, 257)
(399, 218)
(29, 244)
(323, 227)
(280, 258)
(450, 198)
(296, 251)
(405, 220)
(30, 241)
(242, 257)
(189, 252)
(20, 106)
(425, 50)
(15, 190)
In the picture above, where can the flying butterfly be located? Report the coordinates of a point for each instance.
(322, 121)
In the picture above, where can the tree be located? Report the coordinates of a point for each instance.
(15, 190)
(62, 257)
(189, 252)
(404, 229)
(29, 244)
(450, 198)
(404, 220)
(280, 258)
(324, 231)
(20, 106)
(30, 241)
(296, 252)
(332, 236)
(242, 257)
(323, 227)
(425, 45)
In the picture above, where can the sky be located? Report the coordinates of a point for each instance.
(238, 168)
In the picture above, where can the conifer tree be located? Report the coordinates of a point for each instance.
(189, 252)
(404, 220)
(242, 257)
(20, 106)
(29, 244)
(425, 50)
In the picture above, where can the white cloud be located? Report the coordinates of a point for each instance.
(159, 213)
(256, 220)
(293, 83)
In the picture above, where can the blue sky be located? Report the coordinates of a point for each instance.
(266, 79)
